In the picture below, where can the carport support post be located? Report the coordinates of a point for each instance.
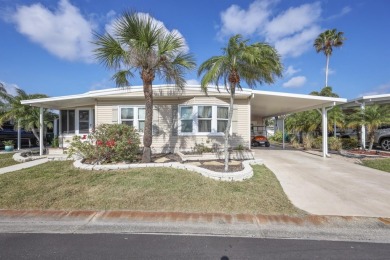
(19, 134)
(283, 117)
(41, 131)
(363, 134)
(324, 132)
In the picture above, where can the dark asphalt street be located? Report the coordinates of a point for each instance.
(133, 246)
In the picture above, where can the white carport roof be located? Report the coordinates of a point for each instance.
(263, 103)
(268, 104)
(368, 100)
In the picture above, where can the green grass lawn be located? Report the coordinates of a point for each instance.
(379, 164)
(58, 185)
(6, 160)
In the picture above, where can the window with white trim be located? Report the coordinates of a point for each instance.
(132, 116)
(203, 119)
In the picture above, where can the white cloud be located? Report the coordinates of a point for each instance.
(381, 89)
(291, 71)
(193, 82)
(295, 82)
(292, 21)
(298, 43)
(10, 88)
(237, 20)
(330, 71)
(63, 32)
(344, 11)
(292, 31)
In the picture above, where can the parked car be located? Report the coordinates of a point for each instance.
(259, 140)
(382, 137)
(27, 138)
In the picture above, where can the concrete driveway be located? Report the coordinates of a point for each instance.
(329, 186)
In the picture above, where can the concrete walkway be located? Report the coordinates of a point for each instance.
(329, 186)
(21, 166)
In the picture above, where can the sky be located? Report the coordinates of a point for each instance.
(46, 46)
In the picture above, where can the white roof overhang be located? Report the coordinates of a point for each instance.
(263, 103)
(368, 100)
(269, 104)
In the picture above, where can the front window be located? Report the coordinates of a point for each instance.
(186, 119)
(133, 116)
(203, 119)
(68, 121)
(222, 118)
(127, 116)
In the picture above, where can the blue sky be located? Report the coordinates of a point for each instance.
(45, 45)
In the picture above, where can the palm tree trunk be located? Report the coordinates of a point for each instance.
(372, 137)
(148, 93)
(227, 130)
(35, 133)
(326, 70)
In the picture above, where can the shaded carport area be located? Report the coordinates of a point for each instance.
(362, 102)
(329, 186)
(266, 104)
(319, 184)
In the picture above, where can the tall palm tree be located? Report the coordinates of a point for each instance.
(140, 44)
(372, 117)
(325, 42)
(253, 63)
(27, 116)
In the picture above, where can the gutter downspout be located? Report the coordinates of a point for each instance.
(41, 131)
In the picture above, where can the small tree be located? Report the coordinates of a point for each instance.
(28, 116)
(372, 117)
(140, 44)
(253, 63)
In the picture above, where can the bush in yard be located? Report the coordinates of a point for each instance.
(317, 142)
(334, 143)
(277, 137)
(349, 143)
(107, 143)
(308, 141)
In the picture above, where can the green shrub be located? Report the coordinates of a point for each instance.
(55, 142)
(277, 137)
(108, 143)
(308, 141)
(317, 142)
(201, 148)
(349, 143)
(334, 143)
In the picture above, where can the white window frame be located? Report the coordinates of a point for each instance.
(77, 121)
(214, 121)
(135, 115)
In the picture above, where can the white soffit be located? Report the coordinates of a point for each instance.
(268, 104)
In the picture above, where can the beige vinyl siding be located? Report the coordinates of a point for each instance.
(166, 141)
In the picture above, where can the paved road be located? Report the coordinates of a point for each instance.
(329, 186)
(121, 246)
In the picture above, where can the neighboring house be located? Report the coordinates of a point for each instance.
(182, 118)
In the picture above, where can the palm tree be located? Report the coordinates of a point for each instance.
(139, 43)
(254, 63)
(325, 42)
(372, 117)
(27, 116)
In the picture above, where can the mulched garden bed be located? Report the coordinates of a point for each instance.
(172, 157)
(370, 153)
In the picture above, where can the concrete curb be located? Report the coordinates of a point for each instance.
(335, 228)
(246, 173)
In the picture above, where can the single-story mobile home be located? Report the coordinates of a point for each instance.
(182, 118)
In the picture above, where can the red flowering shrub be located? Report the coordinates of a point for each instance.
(108, 143)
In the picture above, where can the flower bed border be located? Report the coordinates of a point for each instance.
(242, 175)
